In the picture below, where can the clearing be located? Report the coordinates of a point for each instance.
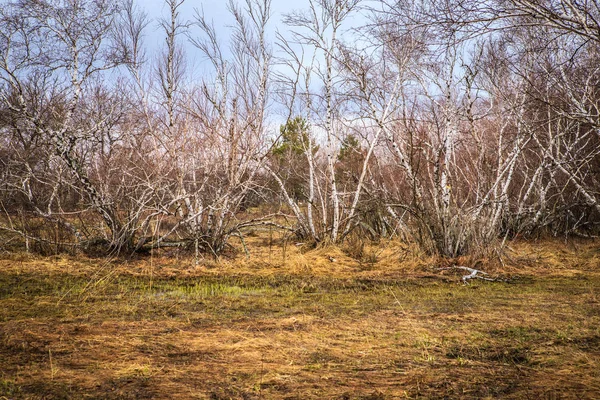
(290, 323)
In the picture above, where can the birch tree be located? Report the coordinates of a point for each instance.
(317, 31)
(63, 48)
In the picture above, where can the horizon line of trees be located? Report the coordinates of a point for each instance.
(453, 124)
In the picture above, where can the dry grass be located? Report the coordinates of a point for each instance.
(289, 323)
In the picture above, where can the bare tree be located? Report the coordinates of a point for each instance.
(316, 31)
(62, 48)
(215, 133)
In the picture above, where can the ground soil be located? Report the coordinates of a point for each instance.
(288, 322)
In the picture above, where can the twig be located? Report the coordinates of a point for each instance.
(474, 274)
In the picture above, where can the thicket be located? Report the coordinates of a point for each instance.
(455, 124)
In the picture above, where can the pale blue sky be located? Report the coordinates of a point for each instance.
(215, 11)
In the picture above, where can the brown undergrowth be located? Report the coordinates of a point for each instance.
(292, 322)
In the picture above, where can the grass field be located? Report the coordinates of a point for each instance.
(285, 323)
